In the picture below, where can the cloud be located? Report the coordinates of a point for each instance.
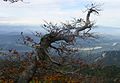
(57, 10)
(53, 10)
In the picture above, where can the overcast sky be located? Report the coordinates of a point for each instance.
(35, 11)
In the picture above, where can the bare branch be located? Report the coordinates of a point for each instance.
(13, 1)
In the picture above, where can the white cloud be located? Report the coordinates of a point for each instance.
(57, 10)
(39, 9)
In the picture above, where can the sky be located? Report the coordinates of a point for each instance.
(34, 12)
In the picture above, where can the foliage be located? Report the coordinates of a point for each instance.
(42, 65)
(91, 73)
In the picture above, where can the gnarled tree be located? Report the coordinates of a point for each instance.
(65, 34)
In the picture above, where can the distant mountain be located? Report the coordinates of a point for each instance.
(16, 29)
(108, 58)
(91, 50)
(107, 30)
(9, 35)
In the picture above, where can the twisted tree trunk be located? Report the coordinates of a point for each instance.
(27, 75)
(47, 40)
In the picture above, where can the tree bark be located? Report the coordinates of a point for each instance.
(27, 75)
(47, 40)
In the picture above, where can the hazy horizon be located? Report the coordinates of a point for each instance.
(7, 29)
